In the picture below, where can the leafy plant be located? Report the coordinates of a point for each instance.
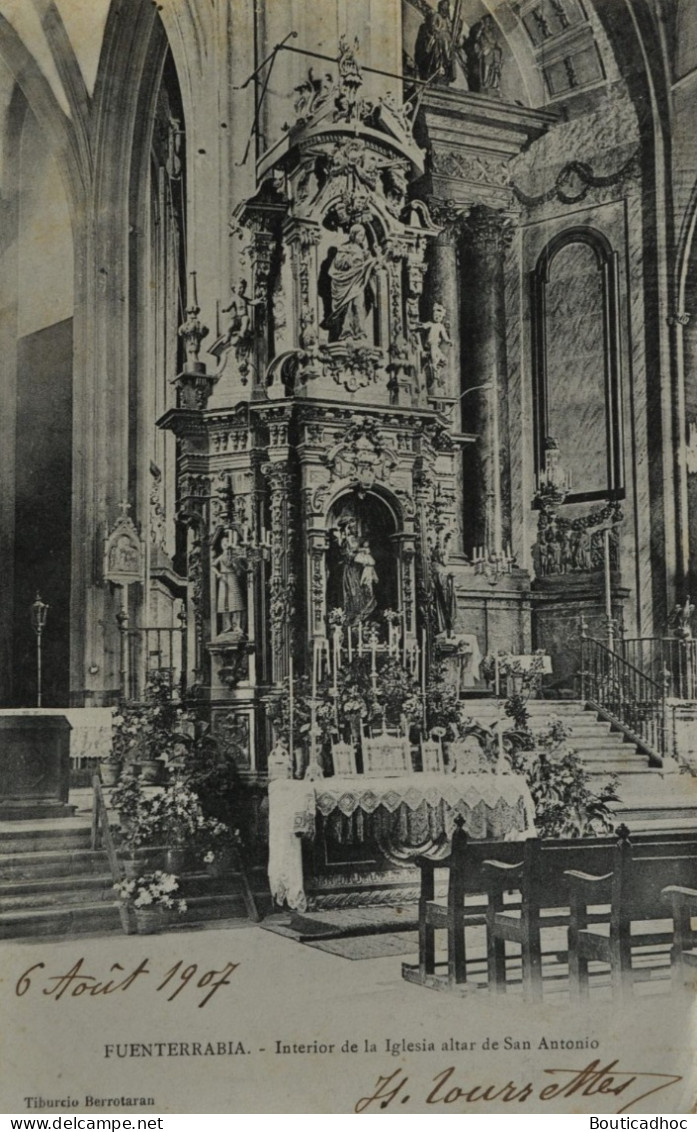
(152, 890)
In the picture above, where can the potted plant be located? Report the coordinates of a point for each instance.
(140, 825)
(153, 735)
(219, 847)
(145, 900)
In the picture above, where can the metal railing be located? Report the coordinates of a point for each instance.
(626, 695)
(668, 660)
(152, 649)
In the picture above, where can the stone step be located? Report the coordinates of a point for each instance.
(606, 742)
(65, 920)
(599, 760)
(56, 893)
(44, 840)
(18, 866)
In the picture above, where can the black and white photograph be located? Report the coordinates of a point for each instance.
(348, 556)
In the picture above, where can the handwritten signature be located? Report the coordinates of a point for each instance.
(77, 981)
(595, 1079)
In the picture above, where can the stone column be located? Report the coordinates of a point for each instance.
(487, 234)
(444, 288)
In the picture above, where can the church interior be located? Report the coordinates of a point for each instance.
(349, 389)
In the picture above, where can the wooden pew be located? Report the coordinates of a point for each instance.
(683, 956)
(464, 867)
(641, 869)
(539, 874)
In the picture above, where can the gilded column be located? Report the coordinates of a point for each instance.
(282, 576)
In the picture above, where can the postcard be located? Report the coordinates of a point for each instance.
(348, 676)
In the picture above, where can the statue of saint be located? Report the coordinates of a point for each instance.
(488, 54)
(359, 576)
(352, 297)
(231, 604)
(434, 49)
(437, 337)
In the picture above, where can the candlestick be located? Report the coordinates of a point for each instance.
(290, 703)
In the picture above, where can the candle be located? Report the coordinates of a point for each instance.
(290, 703)
(315, 660)
(496, 675)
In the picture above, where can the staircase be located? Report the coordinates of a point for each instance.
(651, 798)
(52, 883)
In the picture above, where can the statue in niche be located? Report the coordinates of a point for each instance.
(358, 575)
(350, 281)
(444, 596)
(437, 337)
(434, 51)
(231, 597)
(487, 56)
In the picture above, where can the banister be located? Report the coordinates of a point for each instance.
(100, 825)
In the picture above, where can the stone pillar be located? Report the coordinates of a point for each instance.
(487, 234)
(444, 289)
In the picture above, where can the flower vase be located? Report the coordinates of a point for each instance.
(149, 921)
(150, 770)
(128, 920)
(175, 859)
(109, 773)
(131, 867)
(221, 865)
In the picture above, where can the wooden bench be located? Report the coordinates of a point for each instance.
(683, 902)
(641, 869)
(540, 874)
(464, 866)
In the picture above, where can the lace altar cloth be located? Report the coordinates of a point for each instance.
(409, 810)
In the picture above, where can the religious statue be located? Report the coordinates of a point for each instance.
(437, 337)
(350, 78)
(359, 576)
(444, 596)
(352, 296)
(434, 52)
(680, 620)
(231, 605)
(487, 54)
(237, 335)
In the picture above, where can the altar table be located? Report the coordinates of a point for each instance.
(410, 809)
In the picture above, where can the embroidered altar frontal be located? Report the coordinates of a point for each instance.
(385, 816)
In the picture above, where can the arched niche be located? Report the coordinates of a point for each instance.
(363, 567)
(576, 361)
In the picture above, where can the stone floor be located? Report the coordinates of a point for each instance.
(318, 1030)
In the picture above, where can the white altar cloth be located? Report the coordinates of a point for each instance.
(412, 808)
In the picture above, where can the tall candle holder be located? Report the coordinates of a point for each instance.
(39, 613)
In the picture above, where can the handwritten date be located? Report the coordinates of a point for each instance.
(77, 981)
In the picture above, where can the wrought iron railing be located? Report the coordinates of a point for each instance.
(626, 695)
(153, 649)
(671, 661)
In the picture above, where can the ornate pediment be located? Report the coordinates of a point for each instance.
(361, 457)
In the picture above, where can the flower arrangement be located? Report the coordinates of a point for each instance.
(157, 729)
(152, 890)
